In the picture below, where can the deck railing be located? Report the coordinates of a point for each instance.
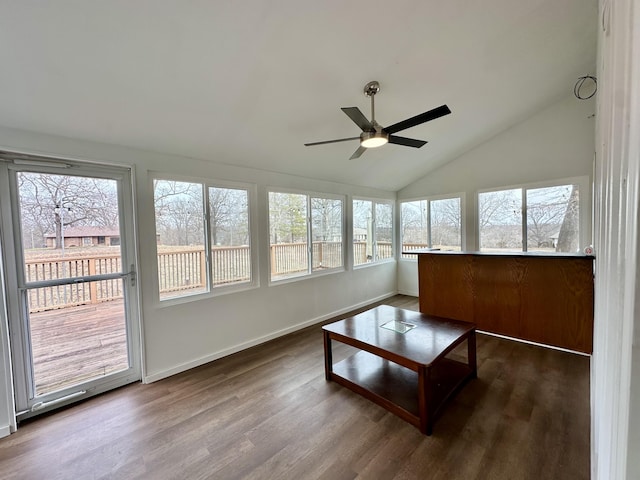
(361, 255)
(406, 247)
(178, 269)
(59, 296)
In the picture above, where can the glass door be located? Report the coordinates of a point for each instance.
(74, 329)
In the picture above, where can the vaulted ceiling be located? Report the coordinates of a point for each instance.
(249, 82)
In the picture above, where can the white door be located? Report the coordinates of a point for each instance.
(72, 297)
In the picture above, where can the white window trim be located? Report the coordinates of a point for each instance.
(310, 273)
(430, 198)
(584, 203)
(214, 291)
(394, 243)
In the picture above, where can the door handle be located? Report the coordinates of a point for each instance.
(132, 275)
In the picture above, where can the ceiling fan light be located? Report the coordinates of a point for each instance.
(373, 139)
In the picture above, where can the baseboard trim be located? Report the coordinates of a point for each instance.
(528, 342)
(5, 431)
(154, 377)
(408, 293)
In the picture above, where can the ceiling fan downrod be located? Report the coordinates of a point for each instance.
(370, 90)
(374, 136)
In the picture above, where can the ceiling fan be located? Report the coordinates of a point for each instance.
(374, 135)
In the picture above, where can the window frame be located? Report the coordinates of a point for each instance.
(375, 260)
(584, 214)
(211, 289)
(310, 272)
(432, 198)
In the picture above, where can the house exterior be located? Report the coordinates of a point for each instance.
(85, 237)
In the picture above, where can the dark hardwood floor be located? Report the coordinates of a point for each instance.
(268, 413)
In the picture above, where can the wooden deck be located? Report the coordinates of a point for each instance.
(75, 344)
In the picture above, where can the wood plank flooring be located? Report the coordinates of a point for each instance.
(268, 413)
(78, 343)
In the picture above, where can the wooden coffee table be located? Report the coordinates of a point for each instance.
(408, 373)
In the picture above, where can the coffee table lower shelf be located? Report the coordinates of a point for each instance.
(396, 388)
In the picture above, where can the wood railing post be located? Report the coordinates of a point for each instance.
(203, 268)
(93, 287)
(273, 259)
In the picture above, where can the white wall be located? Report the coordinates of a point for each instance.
(615, 383)
(633, 95)
(555, 143)
(186, 334)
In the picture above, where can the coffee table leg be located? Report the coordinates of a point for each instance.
(328, 358)
(424, 389)
(473, 363)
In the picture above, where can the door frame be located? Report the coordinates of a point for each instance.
(14, 278)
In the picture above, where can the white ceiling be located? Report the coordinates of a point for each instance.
(249, 82)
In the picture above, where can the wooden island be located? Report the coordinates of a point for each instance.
(542, 298)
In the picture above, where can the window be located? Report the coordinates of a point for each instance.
(203, 237)
(372, 231)
(432, 223)
(230, 235)
(552, 219)
(326, 228)
(542, 219)
(500, 217)
(305, 234)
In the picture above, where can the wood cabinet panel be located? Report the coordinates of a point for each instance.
(541, 298)
(440, 287)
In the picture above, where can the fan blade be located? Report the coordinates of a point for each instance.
(358, 118)
(418, 119)
(331, 141)
(407, 142)
(357, 153)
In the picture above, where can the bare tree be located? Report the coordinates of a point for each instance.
(500, 219)
(179, 212)
(445, 222)
(543, 221)
(362, 214)
(568, 234)
(414, 222)
(326, 219)
(551, 214)
(384, 222)
(50, 203)
(287, 217)
(228, 216)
